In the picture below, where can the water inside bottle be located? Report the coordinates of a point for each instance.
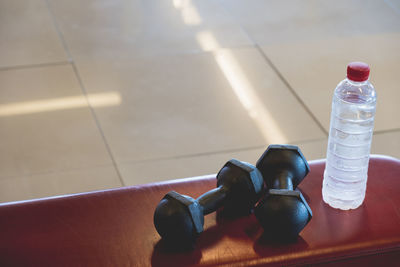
(350, 135)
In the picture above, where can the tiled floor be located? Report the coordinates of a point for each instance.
(101, 94)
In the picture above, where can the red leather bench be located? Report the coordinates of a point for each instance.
(115, 228)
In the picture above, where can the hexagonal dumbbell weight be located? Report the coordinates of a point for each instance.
(179, 219)
(283, 212)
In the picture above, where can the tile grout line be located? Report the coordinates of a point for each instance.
(277, 72)
(387, 131)
(392, 6)
(241, 149)
(193, 155)
(39, 65)
(55, 171)
(84, 91)
(108, 148)
(291, 89)
(242, 29)
(60, 35)
(215, 152)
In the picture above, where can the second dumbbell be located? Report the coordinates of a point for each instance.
(283, 212)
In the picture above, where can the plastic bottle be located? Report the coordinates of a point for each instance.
(350, 136)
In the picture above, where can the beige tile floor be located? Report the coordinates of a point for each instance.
(102, 94)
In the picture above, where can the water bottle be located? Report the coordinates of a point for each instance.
(350, 136)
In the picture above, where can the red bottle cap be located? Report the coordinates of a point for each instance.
(358, 71)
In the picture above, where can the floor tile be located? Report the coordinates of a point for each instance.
(313, 150)
(130, 29)
(277, 22)
(205, 103)
(386, 144)
(394, 4)
(58, 183)
(172, 103)
(27, 34)
(45, 123)
(313, 69)
(174, 168)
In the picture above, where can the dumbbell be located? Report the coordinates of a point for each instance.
(179, 219)
(283, 212)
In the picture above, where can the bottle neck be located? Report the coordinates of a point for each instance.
(355, 92)
(356, 83)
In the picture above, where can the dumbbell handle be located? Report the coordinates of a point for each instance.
(213, 199)
(283, 180)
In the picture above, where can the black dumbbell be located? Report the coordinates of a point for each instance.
(283, 212)
(179, 219)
